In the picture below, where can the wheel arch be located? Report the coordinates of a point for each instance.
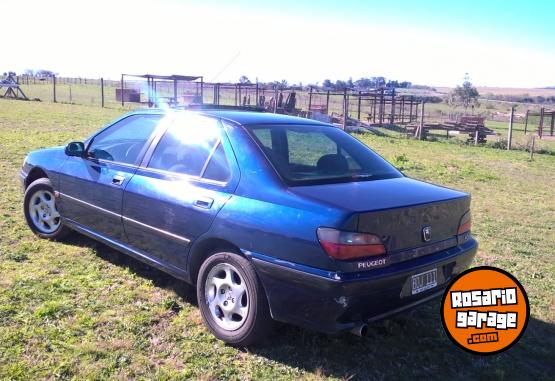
(35, 174)
(203, 249)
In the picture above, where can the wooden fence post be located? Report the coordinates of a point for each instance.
(381, 112)
(54, 87)
(540, 128)
(309, 100)
(328, 102)
(392, 115)
(175, 92)
(122, 91)
(421, 128)
(359, 102)
(532, 147)
(102, 91)
(526, 122)
(257, 101)
(345, 108)
(201, 90)
(410, 108)
(275, 99)
(510, 135)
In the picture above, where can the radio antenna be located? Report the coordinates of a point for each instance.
(226, 66)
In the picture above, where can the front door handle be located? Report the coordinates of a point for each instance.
(118, 180)
(204, 202)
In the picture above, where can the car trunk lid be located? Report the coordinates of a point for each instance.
(397, 210)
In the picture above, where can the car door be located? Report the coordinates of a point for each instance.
(91, 187)
(183, 182)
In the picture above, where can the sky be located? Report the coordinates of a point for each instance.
(498, 43)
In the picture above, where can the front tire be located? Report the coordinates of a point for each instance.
(232, 300)
(41, 211)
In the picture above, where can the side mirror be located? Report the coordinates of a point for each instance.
(75, 149)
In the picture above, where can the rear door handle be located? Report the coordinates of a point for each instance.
(204, 202)
(118, 180)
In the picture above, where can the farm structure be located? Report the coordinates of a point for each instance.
(377, 107)
(12, 89)
(544, 119)
(474, 126)
(160, 89)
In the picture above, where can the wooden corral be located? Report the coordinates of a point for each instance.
(546, 121)
(376, 107)
(154, 97)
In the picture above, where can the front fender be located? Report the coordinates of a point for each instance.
(49, 161)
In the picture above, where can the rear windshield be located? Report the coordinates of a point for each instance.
(309, 154)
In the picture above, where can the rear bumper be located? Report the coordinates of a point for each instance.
(332, 302)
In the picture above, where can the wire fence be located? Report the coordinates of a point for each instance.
(374, 107)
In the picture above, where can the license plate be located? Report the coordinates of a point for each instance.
(424, 281)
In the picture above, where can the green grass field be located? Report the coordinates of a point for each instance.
(79, 310)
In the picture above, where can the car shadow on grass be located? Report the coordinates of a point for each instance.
(158, 278)
(403, 347)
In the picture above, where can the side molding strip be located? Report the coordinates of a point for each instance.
(127, 219)
(164, 232)
(63, 195)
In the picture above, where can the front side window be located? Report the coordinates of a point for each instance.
(310, 154)
(123, 141)
(192, 146)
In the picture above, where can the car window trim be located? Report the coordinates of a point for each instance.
(185, 176)
(212, 151)
(104, 161)
(249, 129)
(154, 143)
(141, 154)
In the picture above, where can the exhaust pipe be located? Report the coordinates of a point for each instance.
(360, 329)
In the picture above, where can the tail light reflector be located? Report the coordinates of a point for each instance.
(348, 245)
(465, 224)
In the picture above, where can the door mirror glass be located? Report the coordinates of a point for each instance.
(75, 149)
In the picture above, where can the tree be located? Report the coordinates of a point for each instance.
(327, 84)
(244, 79)
(340, 85)
(465, 95)
(364, 83)
(44, 73)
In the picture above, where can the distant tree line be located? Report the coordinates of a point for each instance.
(364, 84)
(327, 84)
(523, 98)
(33, 73)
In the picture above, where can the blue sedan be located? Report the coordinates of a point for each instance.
(273, 218)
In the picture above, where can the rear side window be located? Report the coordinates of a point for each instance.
(192, 146)
(217, 167)
(312, 154)
(123, 141)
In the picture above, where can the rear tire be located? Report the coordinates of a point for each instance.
(41, 211)
(232, 300)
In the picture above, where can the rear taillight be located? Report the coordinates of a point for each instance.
(348, 245)
(465, 224)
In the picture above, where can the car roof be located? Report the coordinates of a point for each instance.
(243, 117)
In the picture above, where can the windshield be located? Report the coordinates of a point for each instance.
(311, 154)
